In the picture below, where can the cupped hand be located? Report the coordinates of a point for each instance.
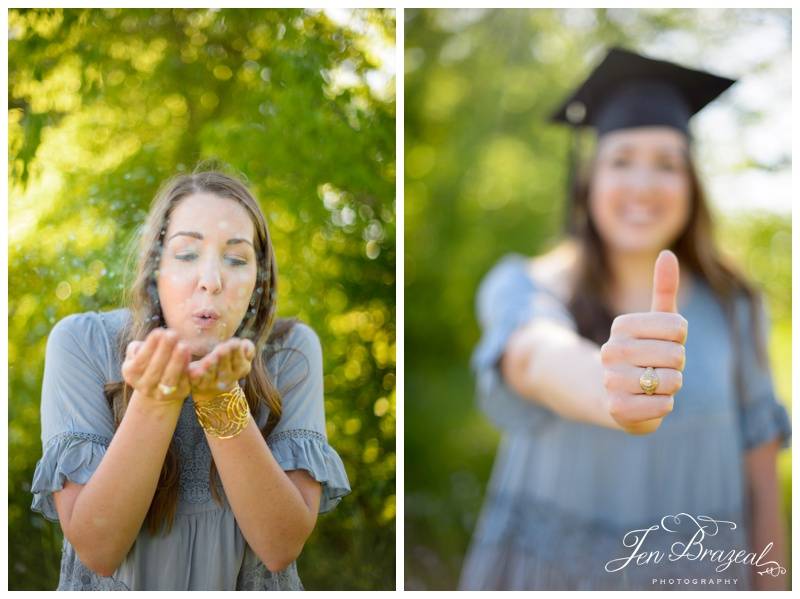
(158, 366)
(219, 371)
(639, 340)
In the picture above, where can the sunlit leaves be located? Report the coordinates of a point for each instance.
(104, 105)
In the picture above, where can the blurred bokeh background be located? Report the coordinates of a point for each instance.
(103, 106)
(486, 175)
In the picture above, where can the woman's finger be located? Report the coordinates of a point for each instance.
(132, 349)
(225, 376)
(176, 366)
(135, 365)
(629, 409)
(146, 350)
(625, 379)
(129, 370)
(644, 353)
(204, 370)
(158, 361)
(666, 280)
(237, 361)
(666, 326)
(242, 359)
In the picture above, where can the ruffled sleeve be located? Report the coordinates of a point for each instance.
(299, 441)
(309, 450)
(69, 456)
(762, 417)
(77, 423)
(507, 299)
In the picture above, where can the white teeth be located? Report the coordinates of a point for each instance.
(638, 215)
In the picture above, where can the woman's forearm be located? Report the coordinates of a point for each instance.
(109, 511)
(270, 510)
(551, 365)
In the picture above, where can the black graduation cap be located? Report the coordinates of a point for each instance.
(630, 90)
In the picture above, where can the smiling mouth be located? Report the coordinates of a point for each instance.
(638, 215)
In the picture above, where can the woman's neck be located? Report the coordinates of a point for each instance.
(632, 280)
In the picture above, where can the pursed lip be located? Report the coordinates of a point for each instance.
(208, 313)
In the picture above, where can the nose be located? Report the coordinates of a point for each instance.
(642, 179)
(210, 277)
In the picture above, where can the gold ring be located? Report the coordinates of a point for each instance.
(167, 389)
(649, 381)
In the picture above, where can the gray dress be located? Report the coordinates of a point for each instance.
(205, 549)
(563, 495)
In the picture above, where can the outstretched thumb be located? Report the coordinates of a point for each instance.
(666, 278)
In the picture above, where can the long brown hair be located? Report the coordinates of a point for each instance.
(695, 250)
(141, 297)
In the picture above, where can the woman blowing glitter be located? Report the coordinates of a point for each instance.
(184, 436)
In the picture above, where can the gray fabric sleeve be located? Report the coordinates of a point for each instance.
(77, 423)
(762, 417)
(299, 441)
(507, 299)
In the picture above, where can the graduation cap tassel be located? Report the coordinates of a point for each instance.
(575, 114)
(572, 182)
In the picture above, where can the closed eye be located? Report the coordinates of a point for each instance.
(669, 166)
(188, 257)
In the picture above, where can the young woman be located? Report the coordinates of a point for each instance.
(629, 447)
(184, 436)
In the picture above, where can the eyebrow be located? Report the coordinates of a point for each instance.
(196, 235)
(660, 149)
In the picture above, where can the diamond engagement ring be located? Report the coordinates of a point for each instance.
(166, 389)
(649, 381)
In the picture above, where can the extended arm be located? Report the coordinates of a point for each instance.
(549, 363)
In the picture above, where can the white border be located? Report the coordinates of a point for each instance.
(4, 175)
(399, 266)
(399, 61)
(795, 310)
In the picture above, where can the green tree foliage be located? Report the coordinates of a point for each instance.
(103, 106)
(486, 175)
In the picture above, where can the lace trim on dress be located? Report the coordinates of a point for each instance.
(194, 456)
(254, 576)
(93, 437)
(75, 576)
(297, 433)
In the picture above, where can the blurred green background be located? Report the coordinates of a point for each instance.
(103, 106)
(485, 175)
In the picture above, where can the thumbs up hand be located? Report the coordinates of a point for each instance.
(648, 339)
